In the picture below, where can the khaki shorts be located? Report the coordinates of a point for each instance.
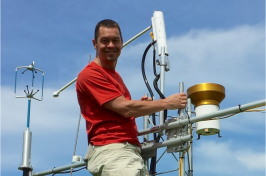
(118, 159)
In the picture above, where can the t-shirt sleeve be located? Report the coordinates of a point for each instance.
(96, 84)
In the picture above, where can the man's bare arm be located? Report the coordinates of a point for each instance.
(134, 108)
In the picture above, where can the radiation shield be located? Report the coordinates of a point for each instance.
(206, 98)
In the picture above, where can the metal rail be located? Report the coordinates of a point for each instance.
(233, 110)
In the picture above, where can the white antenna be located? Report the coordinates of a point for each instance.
(160, 36)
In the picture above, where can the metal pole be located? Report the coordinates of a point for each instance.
(76, 141)
(181, 89)
(181, 154)
(233, 110)
(190, 159)
(28, 115)
(27, 172)
(136, 36)
(146, 136)
(170, 142)
(56, 94)
(220, 113)
(60, 169)
(162, 79)
(26, 152)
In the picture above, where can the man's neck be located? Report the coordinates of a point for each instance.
(109, 65)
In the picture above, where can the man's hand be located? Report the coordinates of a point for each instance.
(176, 101)
(134, 108)
(145, 98)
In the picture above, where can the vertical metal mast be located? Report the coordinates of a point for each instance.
(26, 166)
(146, 136)
(190, 158)
(160, 35)
(181, 154)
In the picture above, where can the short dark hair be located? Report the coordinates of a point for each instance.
(106, 23)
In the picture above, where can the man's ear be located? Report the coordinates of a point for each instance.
(94, 43)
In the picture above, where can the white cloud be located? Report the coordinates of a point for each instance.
(52, 113)
(53, 124)
(220, 158)
(244, 123)
(252, 160)
(233, 58)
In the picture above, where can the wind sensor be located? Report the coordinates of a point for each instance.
(26, 166)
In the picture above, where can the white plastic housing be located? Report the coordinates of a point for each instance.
(159, 31)
(208, 127)
(76, 158)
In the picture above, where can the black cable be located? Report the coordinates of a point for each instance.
(188, 117)
(155, 85)
(154, 62)
(155, 82)
(153, 164)
(155, 74)
(240, 108)
(26, 172)
(146, 81)
(143, 70)
(157, 77)
(160, 93)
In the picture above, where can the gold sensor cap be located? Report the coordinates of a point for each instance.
(206, 94)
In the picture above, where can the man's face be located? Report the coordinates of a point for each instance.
(108, 45)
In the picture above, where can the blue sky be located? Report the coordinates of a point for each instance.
(208, 41)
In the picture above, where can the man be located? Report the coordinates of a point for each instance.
(106, 105)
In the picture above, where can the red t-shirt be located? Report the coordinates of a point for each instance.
(96, 86)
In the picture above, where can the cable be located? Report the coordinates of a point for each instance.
(143, 70)
(250, 110)
(225, 117)
(155, 84)
(66, 172)
(146, 81)
(255, 110)
(153, 163)
(154, 62)
(188, 117)
(165, 172)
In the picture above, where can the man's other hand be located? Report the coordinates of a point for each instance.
(145, 98)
